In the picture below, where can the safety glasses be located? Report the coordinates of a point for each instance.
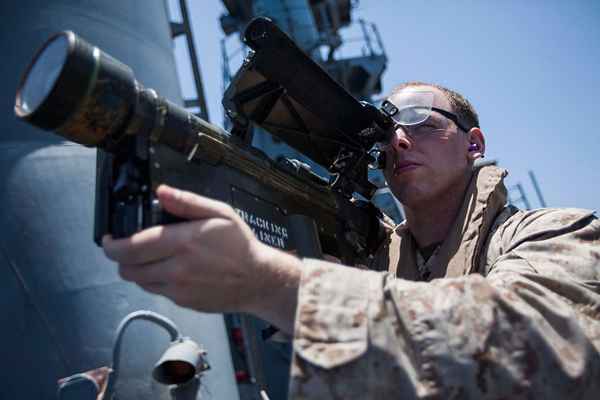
(413, 107)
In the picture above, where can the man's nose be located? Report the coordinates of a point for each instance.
(400, 139)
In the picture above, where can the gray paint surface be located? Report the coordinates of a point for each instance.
(61, 299)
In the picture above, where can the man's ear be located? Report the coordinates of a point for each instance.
(476, 143)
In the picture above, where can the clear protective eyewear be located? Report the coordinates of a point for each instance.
(414, 107)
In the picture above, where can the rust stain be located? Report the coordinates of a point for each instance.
(92, 122)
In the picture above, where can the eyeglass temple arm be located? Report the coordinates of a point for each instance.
(452, 117)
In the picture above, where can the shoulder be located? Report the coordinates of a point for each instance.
(555, 240)
(544, 223)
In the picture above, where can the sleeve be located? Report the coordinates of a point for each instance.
(527, 327)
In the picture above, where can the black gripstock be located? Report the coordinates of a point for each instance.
(287, 93)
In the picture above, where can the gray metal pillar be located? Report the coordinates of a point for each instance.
(61, 299)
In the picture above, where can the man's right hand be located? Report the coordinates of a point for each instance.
(212, 263)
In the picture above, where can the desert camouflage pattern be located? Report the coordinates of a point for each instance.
(510, 309)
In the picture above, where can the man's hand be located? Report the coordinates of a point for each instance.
(212, 263)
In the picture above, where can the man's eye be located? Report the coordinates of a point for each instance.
(425, 128)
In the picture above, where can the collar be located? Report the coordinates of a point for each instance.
(484, 199)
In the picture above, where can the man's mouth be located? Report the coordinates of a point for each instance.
(404, 166)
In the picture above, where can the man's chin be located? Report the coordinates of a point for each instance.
(412, 192)
(408, 194)
(407, 177)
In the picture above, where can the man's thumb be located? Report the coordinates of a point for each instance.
(190, 205)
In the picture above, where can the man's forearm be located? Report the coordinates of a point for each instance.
(277, 298)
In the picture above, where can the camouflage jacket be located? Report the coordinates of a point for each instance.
(511, 310)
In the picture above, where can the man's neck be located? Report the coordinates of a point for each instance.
(431, 221)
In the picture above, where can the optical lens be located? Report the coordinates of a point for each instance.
(413, 115)
(43, 75)
(412, 106)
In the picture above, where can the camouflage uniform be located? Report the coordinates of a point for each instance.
(516, 315)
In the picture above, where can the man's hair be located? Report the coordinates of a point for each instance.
(460, 105)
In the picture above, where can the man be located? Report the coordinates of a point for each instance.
(480, 300)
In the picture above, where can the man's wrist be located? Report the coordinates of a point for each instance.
(277, 282)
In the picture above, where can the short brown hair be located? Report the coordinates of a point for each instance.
(460, 105)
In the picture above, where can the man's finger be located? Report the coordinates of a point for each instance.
(156, 273)
(159, 278)
(152, 244)
(189, 205)
(155, 288)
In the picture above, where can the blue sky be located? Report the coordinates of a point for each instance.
(529, 67)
